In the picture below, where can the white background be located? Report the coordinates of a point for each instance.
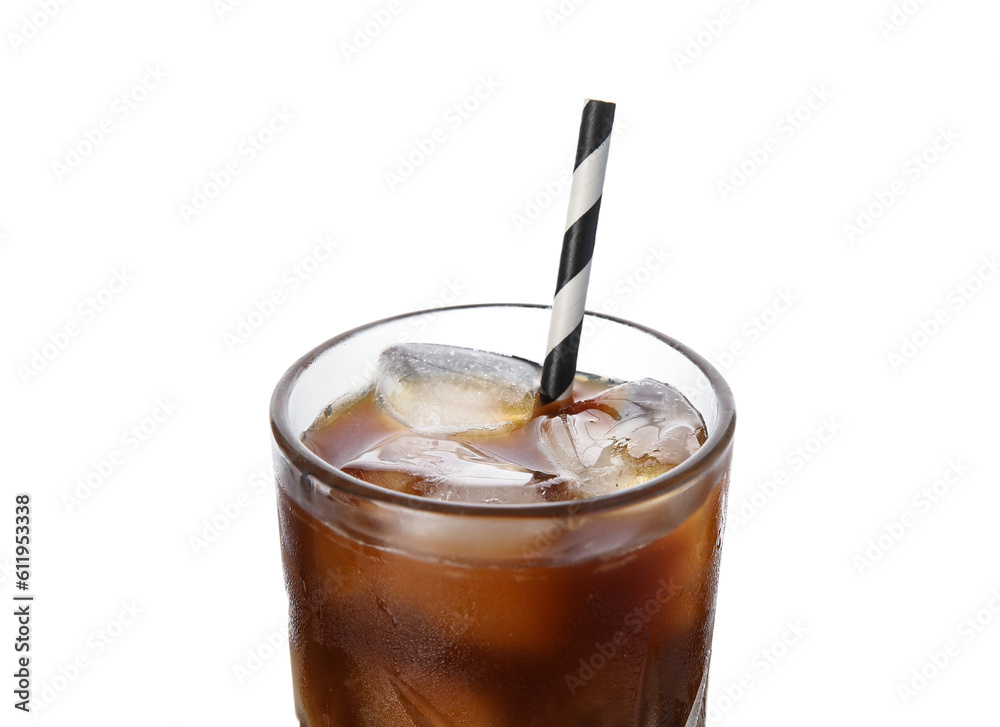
(835, 362)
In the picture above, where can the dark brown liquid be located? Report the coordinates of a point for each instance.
(343, 435)
(382, 638)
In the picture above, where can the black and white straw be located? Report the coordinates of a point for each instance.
(559, 368)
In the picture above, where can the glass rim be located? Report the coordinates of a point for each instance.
(307, 462)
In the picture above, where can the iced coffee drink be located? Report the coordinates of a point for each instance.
(456, 555)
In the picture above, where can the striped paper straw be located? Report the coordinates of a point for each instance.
(559, 368)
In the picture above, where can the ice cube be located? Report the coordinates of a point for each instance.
(444, 390)
(623, 436)
(445, 469)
